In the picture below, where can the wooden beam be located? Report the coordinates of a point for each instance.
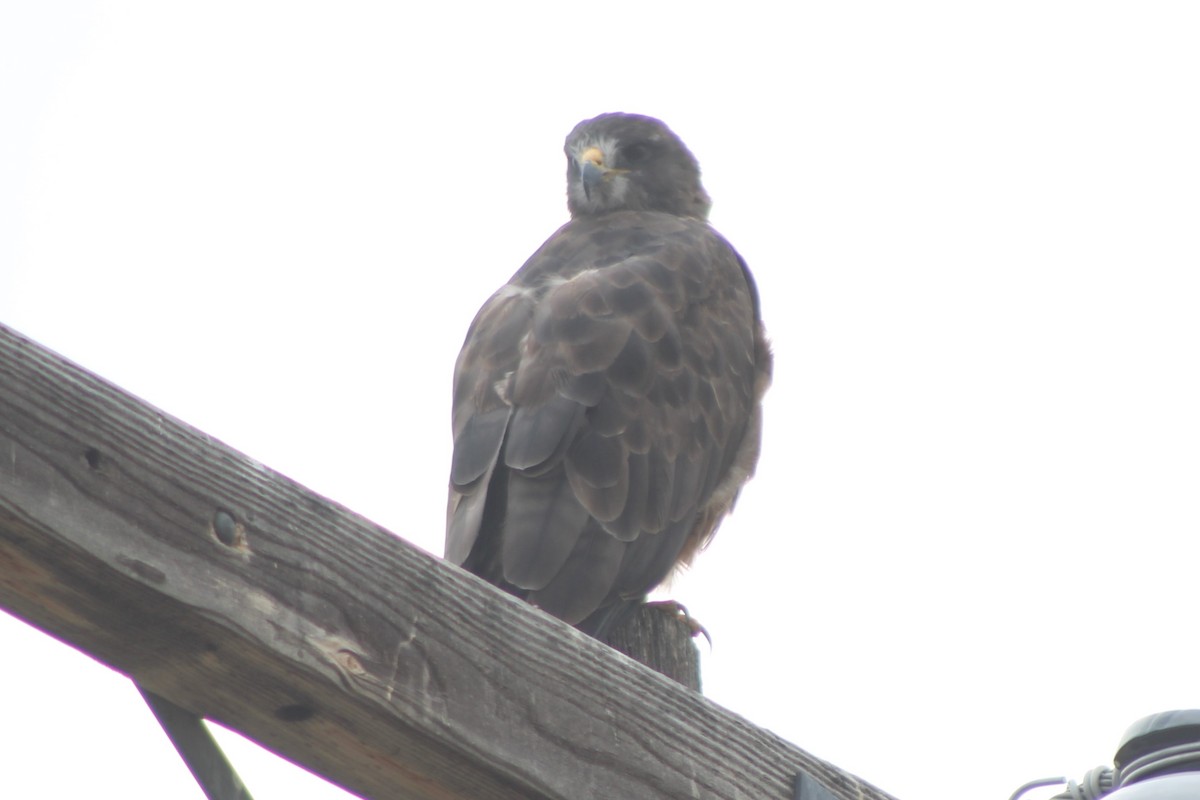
(243, 597)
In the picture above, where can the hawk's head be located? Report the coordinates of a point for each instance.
(627, 162)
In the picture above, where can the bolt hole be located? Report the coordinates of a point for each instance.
(225, 527)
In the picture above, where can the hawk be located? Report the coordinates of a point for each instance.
(607, 399)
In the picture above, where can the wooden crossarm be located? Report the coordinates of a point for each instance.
(237, 594)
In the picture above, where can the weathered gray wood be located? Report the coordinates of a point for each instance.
(245, 598)
(662, 640)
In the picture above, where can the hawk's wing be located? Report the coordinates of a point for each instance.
(605, 411)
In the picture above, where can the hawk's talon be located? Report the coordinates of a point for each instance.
(679, 610)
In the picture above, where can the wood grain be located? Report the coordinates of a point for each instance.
(238, 594)
(661, 636)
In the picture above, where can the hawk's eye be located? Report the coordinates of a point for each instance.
(635, 153)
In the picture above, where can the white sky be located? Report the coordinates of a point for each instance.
(968, 558)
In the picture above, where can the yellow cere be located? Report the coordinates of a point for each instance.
(593, 154)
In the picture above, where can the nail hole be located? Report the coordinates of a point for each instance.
(294, 713)
(92, 455)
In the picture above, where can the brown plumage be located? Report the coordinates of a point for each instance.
(607, 398)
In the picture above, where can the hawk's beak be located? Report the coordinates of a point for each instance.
(591, 169)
